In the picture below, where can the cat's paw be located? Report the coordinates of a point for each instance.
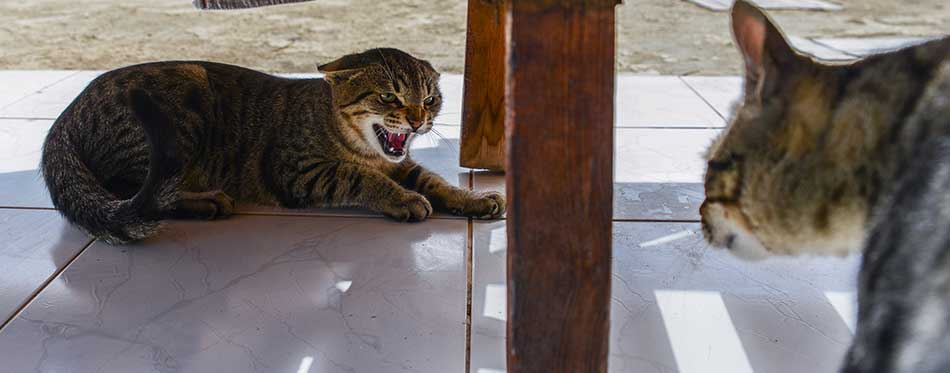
(223, 203)
(412, 207)
(211, 205)
(489, 205)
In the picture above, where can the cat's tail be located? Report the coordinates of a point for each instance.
(78, 194)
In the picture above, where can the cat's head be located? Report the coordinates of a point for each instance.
(385, 98)
(781, 178)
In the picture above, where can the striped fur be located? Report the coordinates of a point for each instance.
(186, 139)
(830, 159)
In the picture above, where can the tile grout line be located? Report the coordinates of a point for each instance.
(635, 220)
(75, 72)
(24, 118)
(670, 127)
(271, 214)
(469, 276)
(622, 220)
(27, 208)
(46, 283)
(710, 105)
(616, 126)
(305, 215)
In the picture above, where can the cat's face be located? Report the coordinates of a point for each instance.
(780, 178)
(385, 98)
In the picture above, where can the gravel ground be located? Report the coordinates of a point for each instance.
(654, 36)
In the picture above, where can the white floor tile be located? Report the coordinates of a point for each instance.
(34, 246)
(661, 155)
(50, 101)
(645, 155)
(680, 306)
(641, 101)
(21, 142)
(661, 101)
(658, 173)
(451, 86)
(722, 92)
(17, 84)
(255, 294)
(701, 332)
(489, 242)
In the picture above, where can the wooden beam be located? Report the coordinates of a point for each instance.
(560, 97)
(483, 103)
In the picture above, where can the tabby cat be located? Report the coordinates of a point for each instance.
(830, 159)
(184, 139)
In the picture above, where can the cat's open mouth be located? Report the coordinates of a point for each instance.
(393, 144)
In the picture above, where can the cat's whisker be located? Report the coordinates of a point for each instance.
(389, 70)
(440, 135)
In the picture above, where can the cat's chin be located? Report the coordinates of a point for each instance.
(394, 159)
(742, 245)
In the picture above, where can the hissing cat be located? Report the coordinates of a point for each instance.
(184, 139)
(830, 159)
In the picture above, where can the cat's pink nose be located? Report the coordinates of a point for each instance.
(415, 116)
(415, 123)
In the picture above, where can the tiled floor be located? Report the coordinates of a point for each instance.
(680, 306)
(273, 290)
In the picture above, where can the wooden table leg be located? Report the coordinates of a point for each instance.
(483, 103)
(560, 97)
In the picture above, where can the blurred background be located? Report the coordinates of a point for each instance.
(654, 36)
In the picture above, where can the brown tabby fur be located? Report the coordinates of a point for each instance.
(184, 139)
(829, 159)
(821, 136)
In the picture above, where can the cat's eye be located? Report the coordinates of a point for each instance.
(387, 97)
(724, 164)
(429, 100)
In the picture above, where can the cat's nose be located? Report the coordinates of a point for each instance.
(416, 116)
(416, 120)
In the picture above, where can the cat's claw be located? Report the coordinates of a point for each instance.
(489, 205)
(224, 204)
(413, 208)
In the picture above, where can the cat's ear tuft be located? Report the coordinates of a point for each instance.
(343, 68)
(749, 29)
(762, 45)
(347, 62)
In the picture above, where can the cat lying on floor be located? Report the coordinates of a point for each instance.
(185, 139)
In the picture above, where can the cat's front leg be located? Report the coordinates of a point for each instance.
(447, 197)
(338, 184)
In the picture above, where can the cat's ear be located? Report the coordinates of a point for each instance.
(764, 49)
(345, 68)
(347, 62)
